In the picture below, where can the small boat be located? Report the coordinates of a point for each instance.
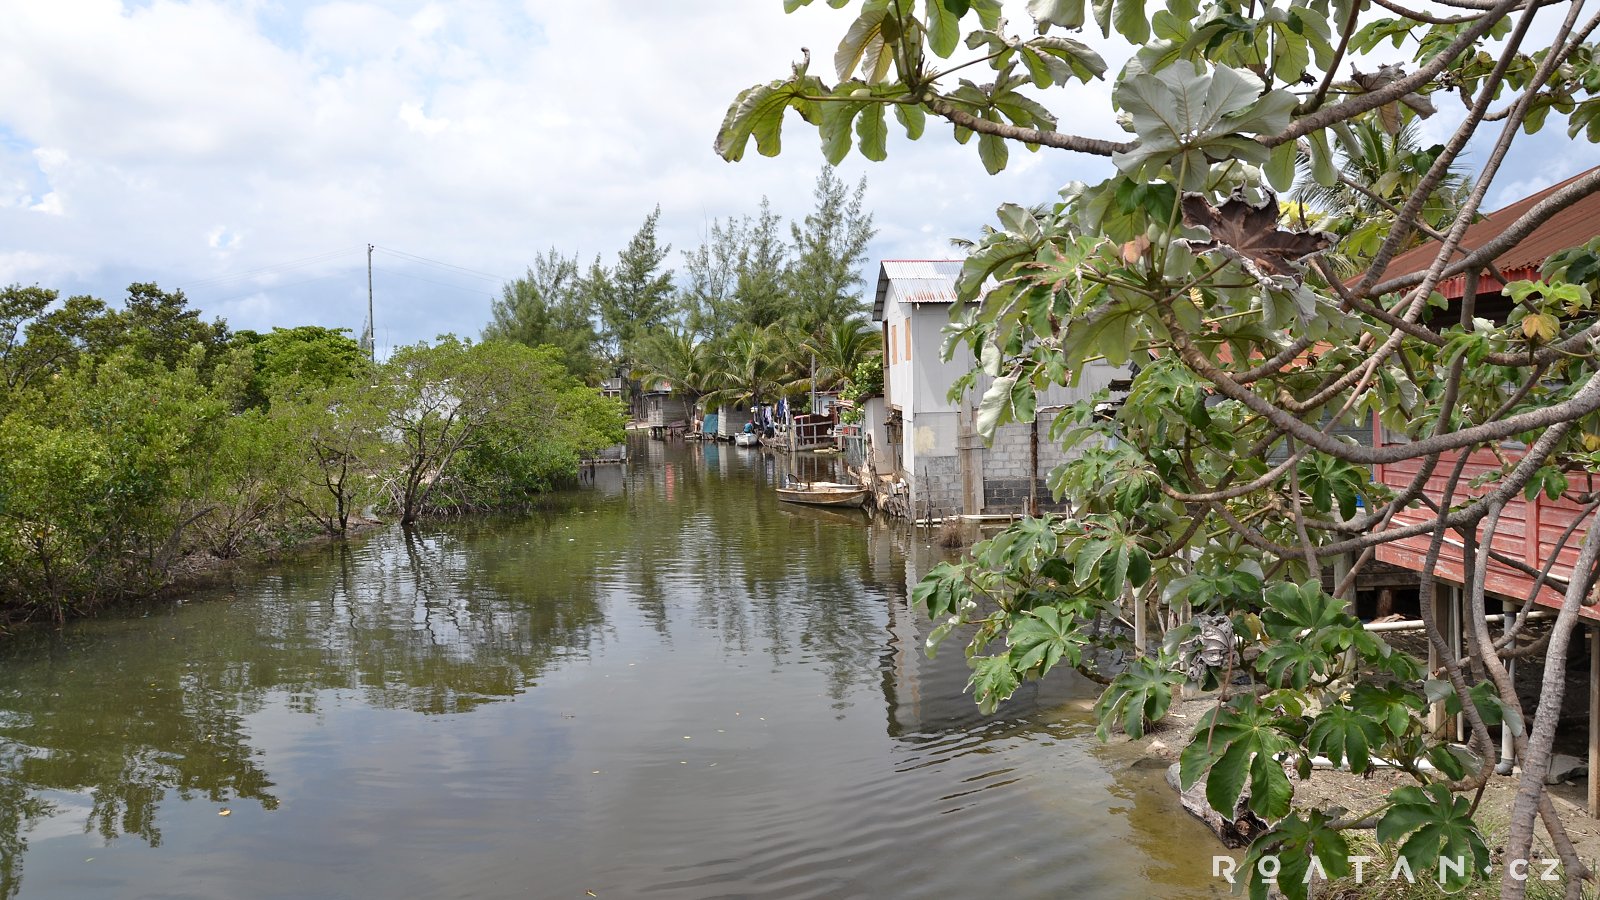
(819, 494)
(746, 439)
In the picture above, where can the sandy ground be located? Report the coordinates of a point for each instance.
(1361, 794)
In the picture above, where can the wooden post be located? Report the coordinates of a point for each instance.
(1341, 569)
(1436, 713)
(1444, 617)
(1594, 716)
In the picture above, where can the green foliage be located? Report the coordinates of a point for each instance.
(1188, 118)
(92, 482)
(1259, 356)
(636, 295)
(823, 281)
(478, 425)
(1139, 695)
(1431, 824)
(133, 439)
(863, 384)
(291, 360)
(547, 307)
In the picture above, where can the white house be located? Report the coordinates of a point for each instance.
(929, 445)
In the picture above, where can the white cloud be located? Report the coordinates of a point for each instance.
(49, 204)
(474, 132)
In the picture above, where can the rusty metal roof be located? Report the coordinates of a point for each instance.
(1570, 227)
(918, 281)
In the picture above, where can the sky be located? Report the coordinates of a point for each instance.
(248, 151)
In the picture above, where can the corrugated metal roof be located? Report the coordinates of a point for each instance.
(1570, 227)
(917, 281)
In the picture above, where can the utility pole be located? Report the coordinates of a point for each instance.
(372, 326)
(813, 384)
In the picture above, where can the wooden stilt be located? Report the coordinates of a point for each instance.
(1594, 716)
(1341, 568)
(1448, 623)
(1457, 636)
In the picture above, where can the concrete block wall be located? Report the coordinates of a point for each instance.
(1010, 495)
(1007, 465)
(936, 486)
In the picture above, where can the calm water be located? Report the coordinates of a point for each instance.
(666, 686)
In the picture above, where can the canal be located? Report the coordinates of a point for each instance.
(664, 685)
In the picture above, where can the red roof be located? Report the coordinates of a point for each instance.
(1571, 227)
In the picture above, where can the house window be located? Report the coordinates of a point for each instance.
(892, 359)
(907, 330)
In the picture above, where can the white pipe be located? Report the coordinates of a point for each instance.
(1417, 624)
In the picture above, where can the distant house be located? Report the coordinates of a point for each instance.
(613, 387)
(925, 447)
(665, 410)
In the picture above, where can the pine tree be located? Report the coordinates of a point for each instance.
(830, 247)
(548, 306)
(640, 294)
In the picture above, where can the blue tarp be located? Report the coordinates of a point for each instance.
(708, 425)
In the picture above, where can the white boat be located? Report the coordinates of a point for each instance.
(746, 439)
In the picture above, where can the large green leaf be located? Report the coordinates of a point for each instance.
(1042, 638)
(1126, 16)
(1296, 842)
(1055, 60)
(864, 38)
(1140, 694)
(994, 151)
(912, 118)
(993, 681)
(873, 132)
(944, 26)
(1440, 826)
(1059, 13)
(758, 112)
(1184, 109)
(839, 115)
(1341, 733)
(994, 409)
(1234, 744)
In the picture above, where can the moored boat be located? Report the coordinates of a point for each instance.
(838, 495)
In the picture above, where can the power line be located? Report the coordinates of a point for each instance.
(435, 262)
(457, 287)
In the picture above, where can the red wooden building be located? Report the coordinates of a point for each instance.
(1529, 530)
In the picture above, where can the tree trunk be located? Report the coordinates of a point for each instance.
(1536, 760)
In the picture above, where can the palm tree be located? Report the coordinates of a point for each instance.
(755, 365)
(679, 357)
(840, 348)
(1379, 172)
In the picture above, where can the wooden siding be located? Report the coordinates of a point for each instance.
(1528, 531)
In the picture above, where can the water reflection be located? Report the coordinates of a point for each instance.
(713, 694)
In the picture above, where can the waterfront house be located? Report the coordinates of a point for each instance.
(1530, 528)
(923, 449)
(664, 409)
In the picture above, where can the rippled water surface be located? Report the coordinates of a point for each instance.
(668, 685)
